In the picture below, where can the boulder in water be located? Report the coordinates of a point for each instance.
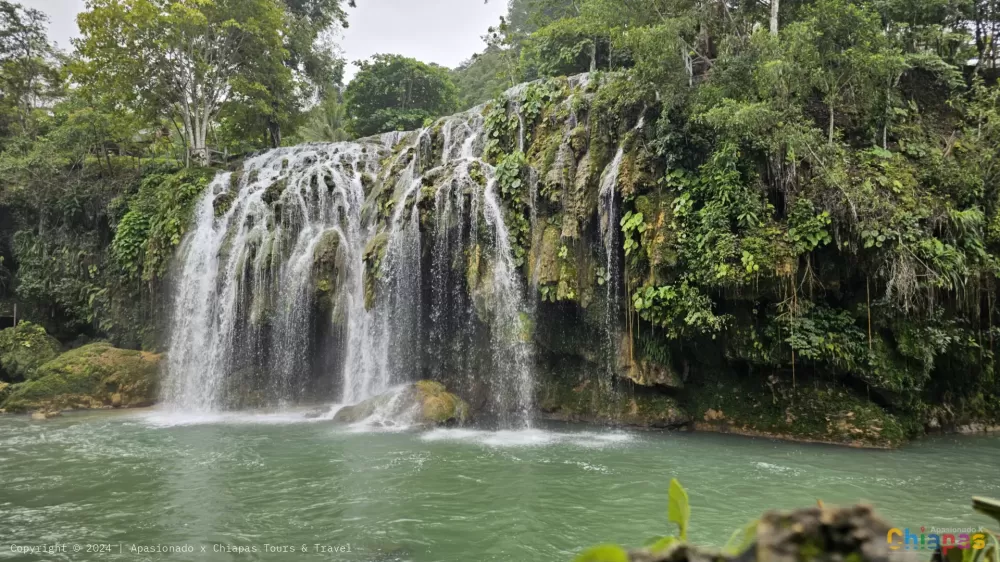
(423, 403)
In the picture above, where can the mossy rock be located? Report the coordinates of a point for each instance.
(423, 403)
(90, 377)
(643, 370)
(547, 263)
(25, 348)
(223, 202)
(583, 398)
(814, 411)
(274, 191)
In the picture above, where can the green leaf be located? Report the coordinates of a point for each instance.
(678, 507)
(662, 544)
(603, 553)
(741, 539)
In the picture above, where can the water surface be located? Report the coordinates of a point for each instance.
(221, 482)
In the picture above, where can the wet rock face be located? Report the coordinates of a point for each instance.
(423, 404)
(585, 399)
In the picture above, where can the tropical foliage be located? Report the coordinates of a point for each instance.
(396, 93)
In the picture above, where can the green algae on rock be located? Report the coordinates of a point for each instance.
(584, 399)
(93, 376)
(423, 403)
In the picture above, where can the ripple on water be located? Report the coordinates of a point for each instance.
(529, 437)
(166, 418)
(777, 468)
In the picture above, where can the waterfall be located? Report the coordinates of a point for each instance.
(611, 240)
(248, 274)
(343, 269)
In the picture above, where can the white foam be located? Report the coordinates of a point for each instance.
(528, 437)
(776, 468)
(170, 418)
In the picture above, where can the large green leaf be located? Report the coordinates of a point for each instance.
(603, 553)
(678, 508)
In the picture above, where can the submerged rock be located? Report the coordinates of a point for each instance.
(423, 403)
(93, 376)
(45, 414)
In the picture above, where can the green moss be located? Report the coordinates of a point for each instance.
(94, 375)
(427, 402)
(234, 180)
(815, 411)
(579, 140)
(223, 202)
(439, 406)
(547, 262)
(373, 256)
(24, 349)
(327, 266)
(274, 191)
(367, 182)
(576, 397)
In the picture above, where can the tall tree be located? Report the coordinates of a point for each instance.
(29, 76)
(180, 59)
(393, 92)
(844, 50)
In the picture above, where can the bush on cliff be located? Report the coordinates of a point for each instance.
(23, 349)
(93, 376)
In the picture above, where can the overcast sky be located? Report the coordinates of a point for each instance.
(443, 31)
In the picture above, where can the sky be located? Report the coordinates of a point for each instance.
(446, 32)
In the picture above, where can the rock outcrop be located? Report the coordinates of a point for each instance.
(93, 376)
(423, 403)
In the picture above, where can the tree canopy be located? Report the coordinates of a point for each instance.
(395, 93)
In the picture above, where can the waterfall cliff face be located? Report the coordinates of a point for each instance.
(335, 271)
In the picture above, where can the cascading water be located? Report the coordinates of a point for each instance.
(248, 273)
(317, 251)
(610, 217)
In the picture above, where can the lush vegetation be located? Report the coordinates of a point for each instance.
(396, 93)
(104, 150)
(810, 208)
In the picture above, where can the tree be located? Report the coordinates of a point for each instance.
(29, 76)
(327, 122)
(310, 56)
(181, 59)
(393, 92)
(567, 46)
(843, 49)
(528, 16)
(482, 77)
